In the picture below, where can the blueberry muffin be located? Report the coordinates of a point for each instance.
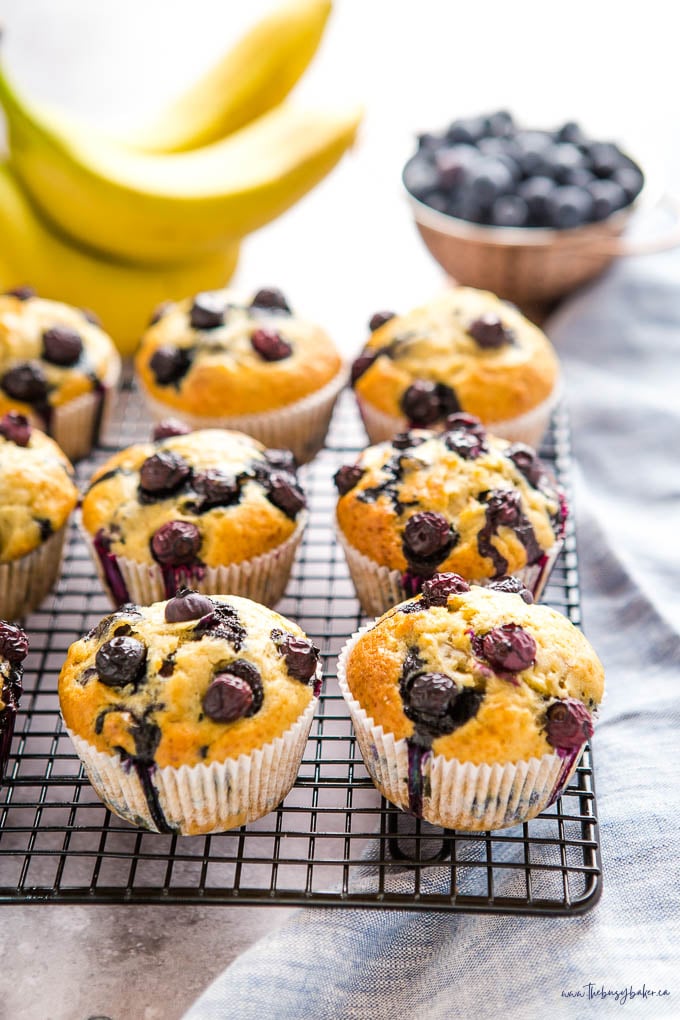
(37, 495)
(13, 651)
(471, 706)
(464, 351)
(57, 367)
(191, 715)
(212, 509)
(457, 500)
(222, 360)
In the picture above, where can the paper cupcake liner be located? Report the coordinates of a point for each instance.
(378, 588)
(77, 425)
(25, 582)
(527, 428)
(262, 578)
(199, 799)
(300, 427)
(455, 795)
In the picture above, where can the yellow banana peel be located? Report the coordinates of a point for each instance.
(123, 295)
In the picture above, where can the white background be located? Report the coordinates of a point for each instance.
(346, 250)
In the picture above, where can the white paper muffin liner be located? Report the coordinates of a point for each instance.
(378, 588)
(527, 428)
(200, 799)
(25, 582)
(456, 795)
(73, 424)
(300, 427)
(261, 578)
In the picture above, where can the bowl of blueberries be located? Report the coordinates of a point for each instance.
(527, 214)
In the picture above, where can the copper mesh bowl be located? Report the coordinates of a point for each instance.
(531, 265)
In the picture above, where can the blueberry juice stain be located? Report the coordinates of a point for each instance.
(503, 509)
(110, 568)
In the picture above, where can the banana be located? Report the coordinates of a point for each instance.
(170, 208)
(252, 78)
(122, 295)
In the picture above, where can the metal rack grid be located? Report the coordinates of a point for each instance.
(334, 841)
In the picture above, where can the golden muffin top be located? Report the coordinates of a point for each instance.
(460, 500)
(220, 354)
(50, 353)
(466, 350)
(37, 492)
(477, 674)
(194, 680)
(213, 497)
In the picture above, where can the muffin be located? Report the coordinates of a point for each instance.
(37, 494)
(459, 500)
(221, 360)
(464, 351)
(13, 651)
(57, 367)
(213, 509)
(192, 715)
(470, 706)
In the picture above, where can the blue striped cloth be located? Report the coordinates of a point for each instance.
(619, 342)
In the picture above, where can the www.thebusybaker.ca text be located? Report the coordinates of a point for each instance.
(593, 992)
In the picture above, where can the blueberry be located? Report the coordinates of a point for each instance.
(467, 130)
(607, 196)
(61, 346)
(468, 441)
(425, 402)
(176, 543)
(605, 158)
(169, 427)
(579, 177)
(526, 461)
(438, 200)
(407, 440)
(429, 142)
(120, 661)
(21, 293)
(500, 124)
(571, 132)
(13, 642)
(187, 605)
(561, 158)
(222, 623)
(490, 179)
(509, 648)
(454, 164)
(569, 207)
(25, 382)
(568, 723)
(436, 590)
(427, 534)
(504, 507)
(509, 211)
(163, 473)
(630, 179)
(301, 655)
(271, 299)
(513, 586)
(16, 428)
(346, 477)
(362, 364)
(207, 311)
(420, 177)
(169, 364)
(286, 494)
(217, 487)
(228, 698)
(489, 332)
(536, 191)
(436, 704)
(379, 319)
(159, 311)
(531, 146)
(466, 207)
(270, 345)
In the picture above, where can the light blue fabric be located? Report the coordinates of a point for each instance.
(620, 345)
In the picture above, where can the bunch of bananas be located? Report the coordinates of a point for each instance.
(120, 224)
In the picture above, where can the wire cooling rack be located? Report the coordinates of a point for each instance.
(334, 841)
